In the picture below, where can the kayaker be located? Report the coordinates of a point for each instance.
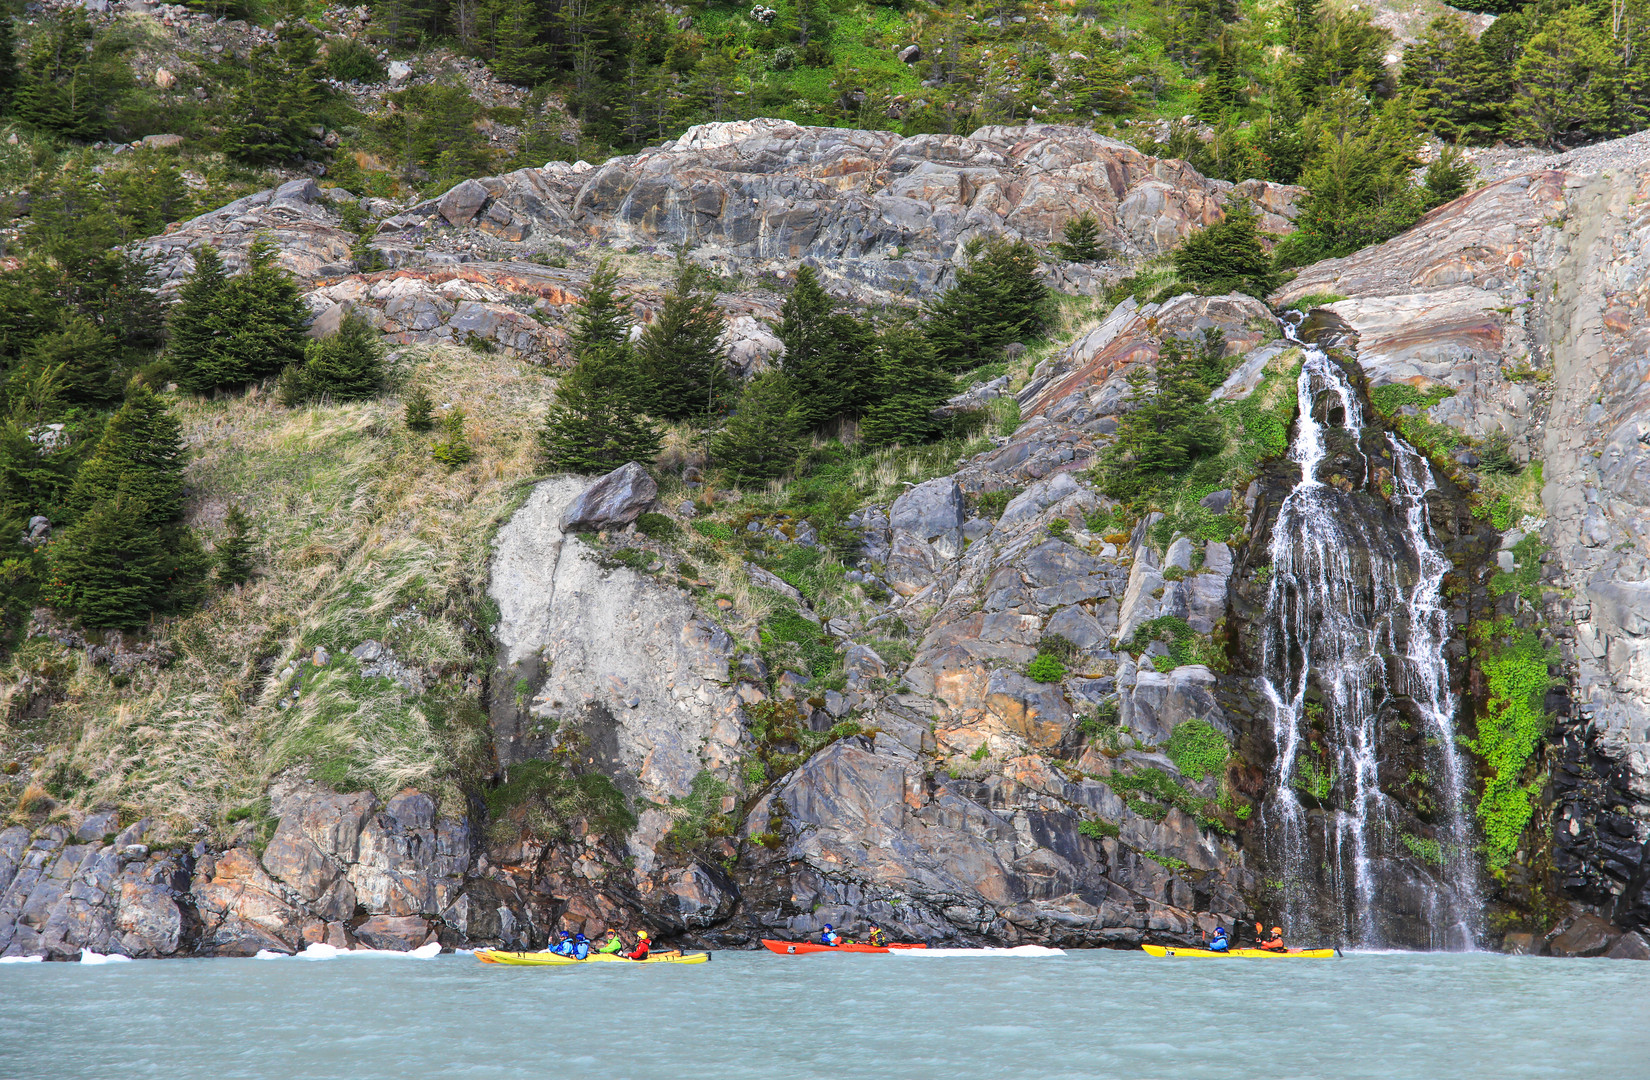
(614, 945)
(581, 947)
(640, 951)
(875, 937)
(1219, 942)
(829, 937)
(564, 947)
(1274, 943)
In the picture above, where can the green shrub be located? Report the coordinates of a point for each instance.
(1197, 749)
(1227, 256)
(658, 526)
(1058, 646)
(1096, 829)
(420, 410)
(991, 504)
(555, 798)
(1514, 663)
(699, 817)
(1316, 300)
(787, 636)
(452, 447)
(1082, 240)
(1151, 791)
(1525, 577)
(713, 530)
(353, 60)
(1046, 668)
(1429, 851)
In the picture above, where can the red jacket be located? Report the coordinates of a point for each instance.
(641, 951)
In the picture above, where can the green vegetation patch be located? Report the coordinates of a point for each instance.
(1046, 668)
(1150, 792)
(1514, 663)
(1524, 579)
(789, 640)
(1186, 646)
(1197, 749)
(556, 797)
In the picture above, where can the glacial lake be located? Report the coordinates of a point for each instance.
(1100, 1014)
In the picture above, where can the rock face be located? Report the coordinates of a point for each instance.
(1527, 298)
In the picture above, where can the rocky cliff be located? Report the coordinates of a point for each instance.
(787, 754)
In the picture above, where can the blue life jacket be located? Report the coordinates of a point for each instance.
(1219, 944)
(564, 947)
(581, 949)
(828, 937)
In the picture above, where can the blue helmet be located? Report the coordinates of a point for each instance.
(827, 926)
(1220, 930)
(579, 937)
(566, 933)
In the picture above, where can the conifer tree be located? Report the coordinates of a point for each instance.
(596, 422)
(255, 328)
(81, 359)
(1227, 256)
(911, 385)
(276, 97)
(765, 433)
(452, 447)
(419, 410)
(71, 77)
(347, 365)
(1082, 239)
(128, 555)
(1459, 94)
(1169, 425)
(234, 551)
(997, 299)
(1563, 79)
(827, 353)
(680, 361)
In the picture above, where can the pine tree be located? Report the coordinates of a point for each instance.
(997, 299)
(1100, 87)
(235, 551)
(71, 78)
(1227, 256)
(680, 360)
(1082, 239)
(452, 446)
(127, 554)
(1563, 81)
(596, 423)
(827, 353)
(1458, 92)
(911, 385)
(766, 432)
(419, 410)
(255, 328)
(1169, 425)
(275, 98)
(347, 365)
(83, 361)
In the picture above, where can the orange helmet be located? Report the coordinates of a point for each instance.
(1275, 930)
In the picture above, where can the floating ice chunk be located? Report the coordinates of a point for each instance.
(87, 956)
(21, 959)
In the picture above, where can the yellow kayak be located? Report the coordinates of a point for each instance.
(550, 959)
(1209, 954)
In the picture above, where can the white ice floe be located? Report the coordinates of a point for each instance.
(21, 959)
(321, 951)
(1018, 950)
(87, 956)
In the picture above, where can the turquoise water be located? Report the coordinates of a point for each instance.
(748, 1015)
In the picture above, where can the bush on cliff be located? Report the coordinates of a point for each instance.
(682, 368)
(1170, 425)
(238, 329)
(997, 299)
(763, 437)
(1227, 256)
(596, 423)
(910, 386)
(828, 353)
(347, 365)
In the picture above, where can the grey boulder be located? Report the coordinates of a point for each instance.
(616, 499)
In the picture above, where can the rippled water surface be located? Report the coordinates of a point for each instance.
(747, 1015)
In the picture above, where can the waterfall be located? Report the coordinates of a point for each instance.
(1354, 609)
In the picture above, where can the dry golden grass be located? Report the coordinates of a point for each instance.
(362, 534)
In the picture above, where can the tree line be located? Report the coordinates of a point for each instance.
(888, 373)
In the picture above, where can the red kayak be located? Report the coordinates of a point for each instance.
(796, 948)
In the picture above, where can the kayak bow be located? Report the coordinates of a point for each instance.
(550, 959)
(797, 948)
(1209, 954)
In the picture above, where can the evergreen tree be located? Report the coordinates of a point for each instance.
(452, 446)
(1082, 239)
(997, 299)
(193, 325)
(8, 62)
(128, 555)
(1459, 94)
(1099, 85)
(81, 359)
(827, 353)
(276, 97)
(1227, 256)
(347, 365)
(1449, 177)
(765, 433)
(1345, 49)
(680, 361)
(596, 423)
(420, 410)
(1169, 425)
(235, 551)
(72, 78)
(1223, 90)
(256, 328)
(911, 385)
(1563, 79)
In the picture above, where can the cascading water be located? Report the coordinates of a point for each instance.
(1354, 612)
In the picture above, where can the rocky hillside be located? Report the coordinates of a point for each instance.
(1012, 716)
